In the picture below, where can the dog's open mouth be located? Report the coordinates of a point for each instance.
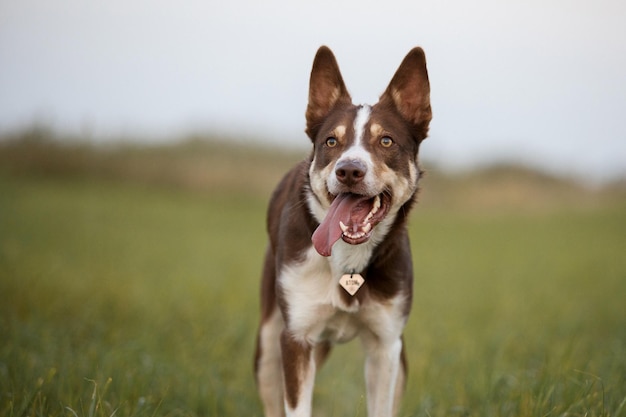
(351, 217)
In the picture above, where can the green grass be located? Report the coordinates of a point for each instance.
(136, 299)
(149, 288)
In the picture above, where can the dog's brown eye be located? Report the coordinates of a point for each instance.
(386, 141)
(331, 142)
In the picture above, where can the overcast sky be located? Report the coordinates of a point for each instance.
(536, 81)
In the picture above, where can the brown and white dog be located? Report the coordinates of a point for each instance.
(338, 264)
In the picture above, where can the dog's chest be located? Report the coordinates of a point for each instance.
(317, 308)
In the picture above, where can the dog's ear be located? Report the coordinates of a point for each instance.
(409, 92)
(326, 90)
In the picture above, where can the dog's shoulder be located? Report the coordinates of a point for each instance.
(288, 216)
(286, 195)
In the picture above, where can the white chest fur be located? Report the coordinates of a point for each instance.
(317, 311)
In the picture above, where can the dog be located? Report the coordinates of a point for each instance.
(338, 264)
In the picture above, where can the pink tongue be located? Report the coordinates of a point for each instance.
(329, 231)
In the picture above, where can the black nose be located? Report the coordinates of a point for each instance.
(350, 172)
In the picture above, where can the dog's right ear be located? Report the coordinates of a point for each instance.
(326, 90)
(409, 92)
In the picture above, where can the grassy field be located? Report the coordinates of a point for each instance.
(129, 283)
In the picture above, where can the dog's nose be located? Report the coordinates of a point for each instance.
(350, 172)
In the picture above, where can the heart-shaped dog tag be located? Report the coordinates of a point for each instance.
(351, 282)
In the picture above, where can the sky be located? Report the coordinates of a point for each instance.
(540, 82)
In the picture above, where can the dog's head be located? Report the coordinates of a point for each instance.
(365, 158)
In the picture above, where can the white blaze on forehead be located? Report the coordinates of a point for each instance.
(357, 151)
(362, 117)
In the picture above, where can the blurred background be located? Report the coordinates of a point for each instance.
(139, 144)
(535, 82)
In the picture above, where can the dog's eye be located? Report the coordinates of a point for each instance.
(331, 142)
(386, 141)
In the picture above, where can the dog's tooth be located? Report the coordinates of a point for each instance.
(343, 227)
(376, 205)
(367, 228)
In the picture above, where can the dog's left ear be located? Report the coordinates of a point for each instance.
(409, 92)
(326, 90)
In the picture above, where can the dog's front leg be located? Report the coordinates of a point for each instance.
(383, 375)
(299, 370)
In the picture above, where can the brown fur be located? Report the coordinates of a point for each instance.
(402, 113)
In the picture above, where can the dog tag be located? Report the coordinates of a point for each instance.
(351, 282)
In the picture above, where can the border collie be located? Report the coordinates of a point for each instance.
(338, 264)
